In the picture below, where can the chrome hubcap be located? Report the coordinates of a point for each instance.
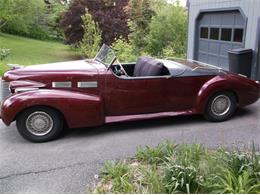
(39, 123)
(221, 105)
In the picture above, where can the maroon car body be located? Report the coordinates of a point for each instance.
(87, 93)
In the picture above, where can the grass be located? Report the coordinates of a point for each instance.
(27, 51)
(185, 168)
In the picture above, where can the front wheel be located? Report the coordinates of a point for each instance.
(220, 107)
(39, 124)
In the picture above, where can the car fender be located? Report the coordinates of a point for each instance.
(214, 85)
(78, 109)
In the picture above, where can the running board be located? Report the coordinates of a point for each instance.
(113, 119)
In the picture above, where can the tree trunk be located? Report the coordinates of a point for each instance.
(2, 24)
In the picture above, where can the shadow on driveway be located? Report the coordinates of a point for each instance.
(147, 124)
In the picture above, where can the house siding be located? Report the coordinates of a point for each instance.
(250, 8)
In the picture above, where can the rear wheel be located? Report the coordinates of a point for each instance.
(39, 124)
(220, 107)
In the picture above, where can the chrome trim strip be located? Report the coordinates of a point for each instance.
(24, 89)
(242, 75)
(66, 84)
(91, 84)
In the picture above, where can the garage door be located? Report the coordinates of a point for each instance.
(218, 33)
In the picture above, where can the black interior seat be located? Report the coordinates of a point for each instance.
(147, 66)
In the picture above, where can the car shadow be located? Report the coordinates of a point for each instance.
(147, 124)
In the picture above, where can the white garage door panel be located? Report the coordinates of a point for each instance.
(224, 47)
(213, 59)
(213, 47)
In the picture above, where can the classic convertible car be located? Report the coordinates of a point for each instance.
(42, 99)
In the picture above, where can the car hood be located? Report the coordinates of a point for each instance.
(89, 67)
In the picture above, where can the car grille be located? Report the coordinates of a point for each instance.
(4, 91)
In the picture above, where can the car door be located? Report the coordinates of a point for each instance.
(151, 94)
(126, 96)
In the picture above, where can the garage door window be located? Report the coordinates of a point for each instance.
(238, 35)
(226, 34)
(214, 33)
(204, 33)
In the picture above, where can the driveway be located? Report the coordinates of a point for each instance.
(67, 165)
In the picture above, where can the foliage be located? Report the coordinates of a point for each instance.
(124, 50)
(108, 14)
(4, 53)
(229, 183)
(31, 18)
(148, 34)
(155, 155)
(92, 36)
(27, 51)
(11, 10)
(168, 29)
(141, 13)
(181, 179)
(54, 8)
(118, 176)
(185, 168)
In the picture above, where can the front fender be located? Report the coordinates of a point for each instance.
(216, 84)
(78, 109)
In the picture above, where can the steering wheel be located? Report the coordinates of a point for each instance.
(121, 70)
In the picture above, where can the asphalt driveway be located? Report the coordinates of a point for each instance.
(67, 165)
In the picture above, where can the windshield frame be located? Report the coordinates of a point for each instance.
(103, 55)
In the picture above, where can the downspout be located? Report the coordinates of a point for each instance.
(188, 29)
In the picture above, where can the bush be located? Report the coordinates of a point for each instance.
(170, 168)
(92, 36)
(168, 30)
(124, 50)
(4, 53)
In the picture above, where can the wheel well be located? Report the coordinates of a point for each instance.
(42, 106)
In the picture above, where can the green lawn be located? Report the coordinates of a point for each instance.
(27, 51)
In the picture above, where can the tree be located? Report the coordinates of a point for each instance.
(168, 30)
(92, 36)
(141, 13)
(54, 8)
(11, 10)
(108, 14)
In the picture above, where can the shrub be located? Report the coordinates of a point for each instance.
(4, 53)
(116, 176)
(168, 30)
(184, 168)
(108, 14)
(155, 155)
(124, 50)
(181, 179)
(92, 36)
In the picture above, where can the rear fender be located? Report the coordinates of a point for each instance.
(216, 84)
(78, 109)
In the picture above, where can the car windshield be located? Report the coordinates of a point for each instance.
(106, 55)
